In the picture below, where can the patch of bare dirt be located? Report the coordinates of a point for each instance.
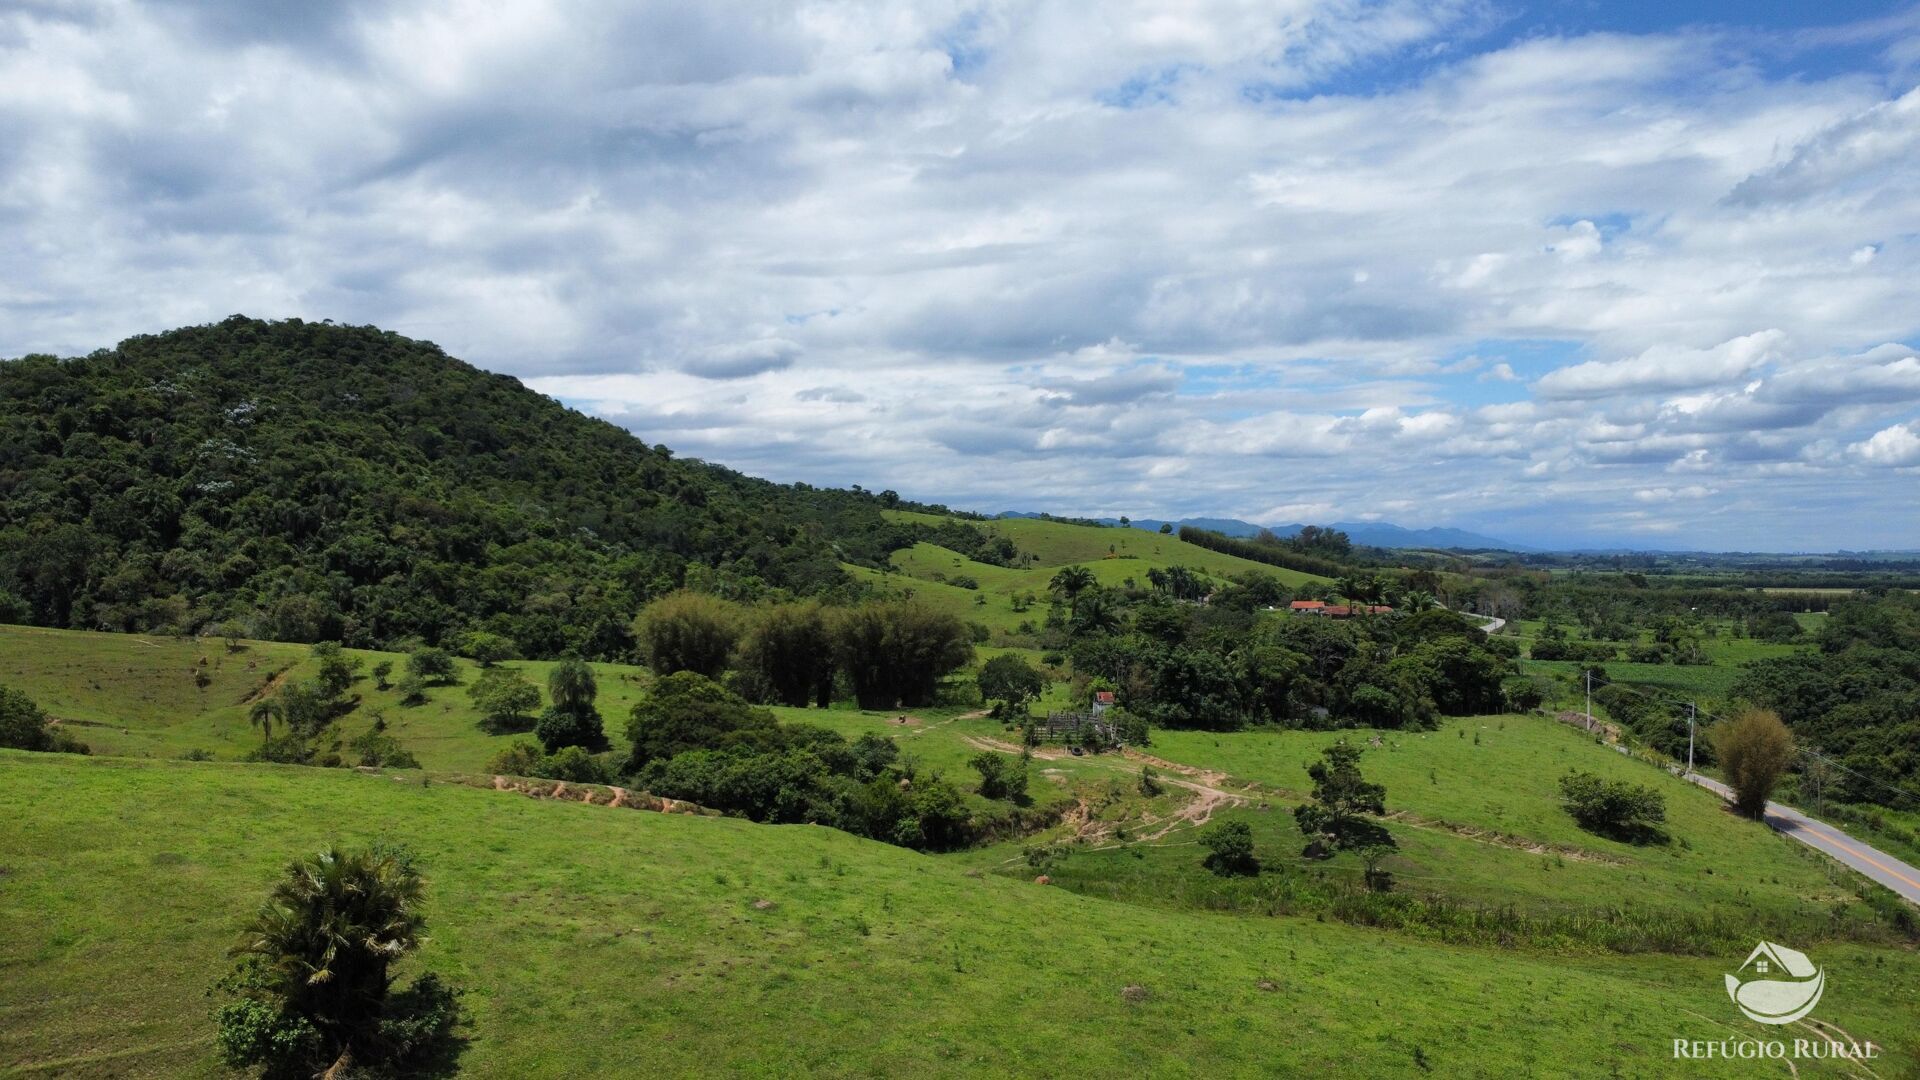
(267, 688)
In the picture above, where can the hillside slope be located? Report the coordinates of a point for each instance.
(594, 940)
(328, 482)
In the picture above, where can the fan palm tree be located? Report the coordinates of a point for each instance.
(327, 935)
(263, 714)
(1071, 581)
(571, 687)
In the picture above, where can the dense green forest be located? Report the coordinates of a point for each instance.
(309, 482)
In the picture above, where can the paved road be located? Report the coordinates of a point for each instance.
(1878, 865)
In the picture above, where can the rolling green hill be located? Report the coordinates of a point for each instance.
(317, 482)
(1116, 556)
(598, 940)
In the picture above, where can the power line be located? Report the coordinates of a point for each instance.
(1676, 702)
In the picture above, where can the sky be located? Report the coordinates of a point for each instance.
(1637, 274)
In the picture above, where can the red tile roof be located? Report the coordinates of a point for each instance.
(1307, 605)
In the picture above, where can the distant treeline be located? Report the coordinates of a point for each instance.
(1276, 553)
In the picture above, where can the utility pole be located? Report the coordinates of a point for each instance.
(1691, 710)
(1589, 699)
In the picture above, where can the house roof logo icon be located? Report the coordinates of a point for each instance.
(1776, 985)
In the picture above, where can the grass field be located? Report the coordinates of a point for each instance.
(594, 940)
(1711, 682)
(1499, 777)
(137, 696)
(1114, 555)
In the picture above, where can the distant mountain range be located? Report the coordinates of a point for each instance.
(1370, 533)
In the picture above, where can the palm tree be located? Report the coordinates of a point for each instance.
(1419, 600)
(1071, 581)
(571, 687)
(263, 714)
(327, 935)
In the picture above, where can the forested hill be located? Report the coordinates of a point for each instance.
(315, 482)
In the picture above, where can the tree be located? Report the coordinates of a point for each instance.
(688, 711)
(23, 726)
(896, 652)
(313, 982)
(789, 648)
(381, 671)
(1070, 581)
(487, 649)
(688, 631)
(262, 715)
(413, 690)
(1628, 812)
(431, 665)
(1001, 777)
(1754, 749)
(571, 686)
(505, 699)
(557, 727)
(1229, 847)
(571, 719)
(336, 670)
(1009, 682)
(1166, 528)
(1334, 820)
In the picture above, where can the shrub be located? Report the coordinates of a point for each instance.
(430, 665)
(505, 698)
(1614, 808)
(1001, 777)
(311, 987)
(413, 690)
(575, 765)
(557, 728)
(521, 759)
(487, 649)
(1229, 847)
(23, 726)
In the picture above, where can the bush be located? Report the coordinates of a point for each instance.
(1614, 808)
(487, 649)
(1001, 777)
(1229, 847)
(521, 759)
(505, 698)
(430, 665)
(312, 987)
(23, 726)
(557, 728)
(574, 765)
(413, 690)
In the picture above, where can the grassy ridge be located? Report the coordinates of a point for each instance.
(1114, 555)
(619, 941)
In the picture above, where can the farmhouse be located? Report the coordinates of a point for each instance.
(1337, 611)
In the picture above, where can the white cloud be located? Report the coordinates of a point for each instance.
(1664, 368)
(1046, 256)
(1896, 445)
